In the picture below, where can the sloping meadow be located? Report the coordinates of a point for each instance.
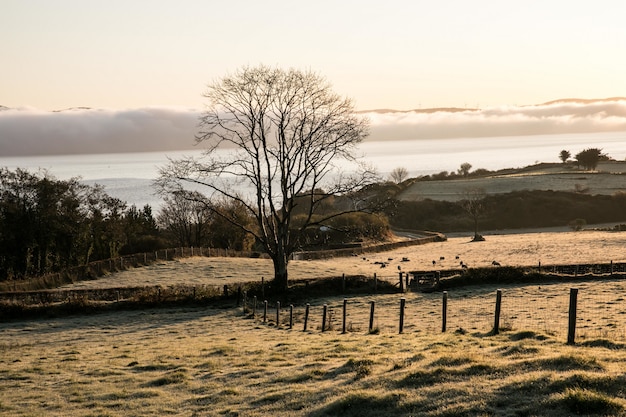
(209, 361)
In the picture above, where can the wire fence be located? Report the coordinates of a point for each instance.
(540, 311)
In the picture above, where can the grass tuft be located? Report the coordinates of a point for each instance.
(175, 377)
(584, 402)
(568, 363)
(527, 334)
(362, 404)
(603, 343)
(362, 367)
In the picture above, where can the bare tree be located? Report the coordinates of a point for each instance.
(399, 174)
(472, 203)
(273, 137)
(185, 216)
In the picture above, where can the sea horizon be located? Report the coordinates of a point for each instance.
(129, 175)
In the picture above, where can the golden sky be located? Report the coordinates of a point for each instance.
(384, 54)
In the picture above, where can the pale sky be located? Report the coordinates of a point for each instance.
(122, 54)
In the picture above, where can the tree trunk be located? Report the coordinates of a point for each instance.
(280, 272)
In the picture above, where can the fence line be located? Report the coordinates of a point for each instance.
(102, 267)
(569, 315)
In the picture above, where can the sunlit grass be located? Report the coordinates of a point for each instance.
(199, 362)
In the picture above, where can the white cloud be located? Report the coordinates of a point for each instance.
(559, 117)
(28, 131)
(79, 131)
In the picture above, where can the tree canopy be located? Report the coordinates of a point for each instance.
(590, 157)
(273, 138)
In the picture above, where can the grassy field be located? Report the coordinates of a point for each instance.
(509, 250)
(218, 361)
(212, 362)
(607, 180)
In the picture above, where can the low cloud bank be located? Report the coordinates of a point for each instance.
(83, 131)
(80, 131)
(555, 118)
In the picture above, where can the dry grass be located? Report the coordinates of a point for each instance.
(509, 250)
(219, 362)
(209, 362)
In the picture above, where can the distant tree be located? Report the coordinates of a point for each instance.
(589, 158)
(185, 218)
(473, 205)
(141, 230)
(399, 174)
(564, 155)
(47, 225)
(465, 169)
(224, 231)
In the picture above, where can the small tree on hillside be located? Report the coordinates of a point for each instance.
(464, 169)
(399, 174)
(564, 155)
(473, 205)
(589, 158)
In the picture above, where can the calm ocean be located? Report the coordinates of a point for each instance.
(128, 176)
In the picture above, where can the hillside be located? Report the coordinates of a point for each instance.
(609, 178)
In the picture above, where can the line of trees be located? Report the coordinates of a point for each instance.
(587, 158)
(47, 225)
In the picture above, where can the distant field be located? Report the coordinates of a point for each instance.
(607, 180)
(508, 249)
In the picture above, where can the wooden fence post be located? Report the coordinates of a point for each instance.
(290, 316)
(402, 304)
(573, 301)
(343, 321)
(343, 283)
(277, 314)
(401, 283)
(254, 306)
(324, 314)
(444, 312)
(265, 311)
(306, 316)
(496, 321)
(371, 325)
(375, 282)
